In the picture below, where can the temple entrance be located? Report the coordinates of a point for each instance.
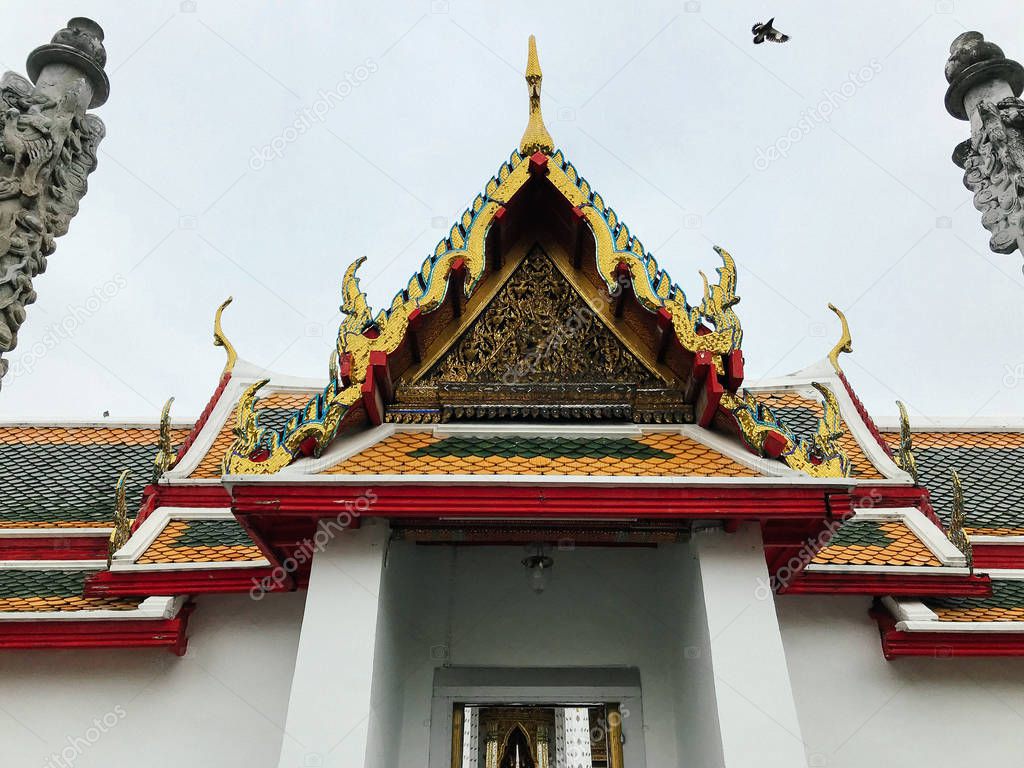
(537, 736)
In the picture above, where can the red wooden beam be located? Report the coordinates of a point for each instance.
(192, 582)
(709, 397)
(897, 643)
(123, 633)
(378, 389)
(999, 555)
(895, 585)
(533, 501)
(734, 370)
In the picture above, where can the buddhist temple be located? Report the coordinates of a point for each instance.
(533, 514)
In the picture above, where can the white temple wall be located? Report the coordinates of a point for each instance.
(856, 708)
(223, 704)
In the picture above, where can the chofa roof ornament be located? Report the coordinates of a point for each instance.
(122, 524)
(221, 340)
(845, 343)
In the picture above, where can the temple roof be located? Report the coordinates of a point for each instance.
(539, 344)
(63, 474)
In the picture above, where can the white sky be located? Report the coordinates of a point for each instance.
(663, 106)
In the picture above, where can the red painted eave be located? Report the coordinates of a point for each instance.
(626, 502)
(191, 582)
(941, 645)
(138, 633)
(894, 585)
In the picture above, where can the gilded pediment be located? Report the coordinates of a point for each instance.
(538, 349)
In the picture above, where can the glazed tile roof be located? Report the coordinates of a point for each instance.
(991, 469)
(274, 411)
(201, 541)
(656, 454)
(54, 590)
(1005, 604)
(65, 476)
(872, 542)
(801, 414)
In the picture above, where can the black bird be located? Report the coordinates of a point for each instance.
(766, 31)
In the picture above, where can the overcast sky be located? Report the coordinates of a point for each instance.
(666, 107)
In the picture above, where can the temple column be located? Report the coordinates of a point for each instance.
(49, 149)
(741, 653)
(984, 87)
(329, 708)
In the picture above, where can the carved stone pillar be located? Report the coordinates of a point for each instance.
(984, 87)
(49, 144)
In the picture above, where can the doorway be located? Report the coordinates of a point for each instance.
(536, 718)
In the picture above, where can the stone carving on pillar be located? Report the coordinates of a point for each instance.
(48, 144)
(984, 88)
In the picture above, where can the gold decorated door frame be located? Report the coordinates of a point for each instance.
(458, 692)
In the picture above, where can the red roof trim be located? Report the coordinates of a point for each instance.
(190, 582)
(892, 584)
(865, 416)
(204, 416)
(129, 633)
(944, 644)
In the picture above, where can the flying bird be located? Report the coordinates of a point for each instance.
(766, 31)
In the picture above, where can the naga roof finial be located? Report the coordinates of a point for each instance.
(845, 343)
(165, 449)
(220, 340)
(536, 137)
(122, 528)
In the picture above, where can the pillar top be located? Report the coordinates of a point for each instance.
(79, 44)
(973, 61)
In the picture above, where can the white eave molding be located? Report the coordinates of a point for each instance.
(144, 536)
(915, 616)
(149, 609)
(54, 533)
(953, 561)
(954, 424)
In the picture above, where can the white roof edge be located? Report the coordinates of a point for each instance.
(85, 423)
(955, 424)
(242, 376)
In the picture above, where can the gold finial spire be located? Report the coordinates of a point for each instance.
(845, 343)
(956, 532)
(220, 340)
(165, 450)
(905, 454)
(536, 137)
(122, 525)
